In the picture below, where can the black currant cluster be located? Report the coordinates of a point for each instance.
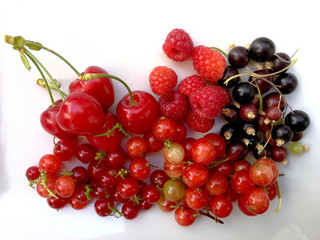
(260, 116)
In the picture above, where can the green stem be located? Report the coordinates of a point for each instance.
(42, 75)
(46, 71)
(90, 76)
(30, 43)
(219, 50)
(279, 197)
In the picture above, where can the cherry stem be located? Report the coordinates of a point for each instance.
(217, 220)
(279, 196)
(116, 126)
(48, 74)
(90, 76)
(219, 50)
(43, 77)
(38, 45)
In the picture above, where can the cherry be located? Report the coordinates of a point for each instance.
(65, 149)
(100, 88)
(80, 114)
(108, 137)
(138, 117)
(48, 120)
(115, 159)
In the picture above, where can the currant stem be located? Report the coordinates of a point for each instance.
(38, 45)
(43, 77)
(279, 197)
(90, 76)
(219, 50)
(217, 220)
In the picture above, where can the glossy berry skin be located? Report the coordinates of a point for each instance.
(65, 186)
(298, 121)
(174, 190)
(236, 150)
(65, 149)
(263, 83)
(139, 117)
(178, 45)
(136, 147)
(130, 210)
(99, 88)
(231, 114)
(173, 170)
(158, 178)
(262, 49)
(241, 182)
(229, 72)
(115, 159)
(153, 144)
(184, 216)
(196, 198)
(243, 208)
(279, 61)
(80, 114)
(261, 174)
(128, 187)
(243, 93)
(166, 205)
(286, 82)
(238, 57)
(57, 203)
(217, 184)
(151, 194)
(50, 164)
(104, 207)
(86, 153)
(41, 190)
(80, 175)
(203, 151)
(221, 206)
(32, 173)
(281, 134)
(110, 142)
(139, 168)
(257, 201)
(272, 100)
(164, 129)
(195, 175)
(48, 120)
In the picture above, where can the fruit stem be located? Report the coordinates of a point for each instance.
(38, 45)
(30, 55)
(116, 126)
(279, 197)
(217, 220)
(43, 77)
(221, 51)
(90, 76)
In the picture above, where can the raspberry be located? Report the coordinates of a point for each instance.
(207, 102)
(209, 63)
(162, 80)
(174, 105)
(189, 84)
(197, 124)
(178, 45)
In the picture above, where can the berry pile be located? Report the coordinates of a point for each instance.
(236, 165)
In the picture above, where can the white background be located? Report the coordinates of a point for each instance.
(125, 38)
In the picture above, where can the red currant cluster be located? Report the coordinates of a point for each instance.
(203, 176)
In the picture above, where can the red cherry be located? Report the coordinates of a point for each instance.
(80, 114)
(99, 88)
(48, 120)
(111, 141)
(65, 149)
(138, 117)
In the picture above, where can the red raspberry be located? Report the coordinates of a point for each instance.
(209, 63)
(207, 102)
(162, 80)
(178, 45)
(189, 84)
(197, 124)
(174, 105)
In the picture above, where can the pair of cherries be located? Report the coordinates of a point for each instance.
(86, 111)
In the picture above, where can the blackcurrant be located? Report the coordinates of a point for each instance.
(231, 114)
(286, 82)
(297, 120)
(279, 61)
(229, 72)
(272, 100)
(262, 49)
(238, 57)
(281, 134)
(243, 93)
(249, 128)
(262, 82)
(230, 131)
